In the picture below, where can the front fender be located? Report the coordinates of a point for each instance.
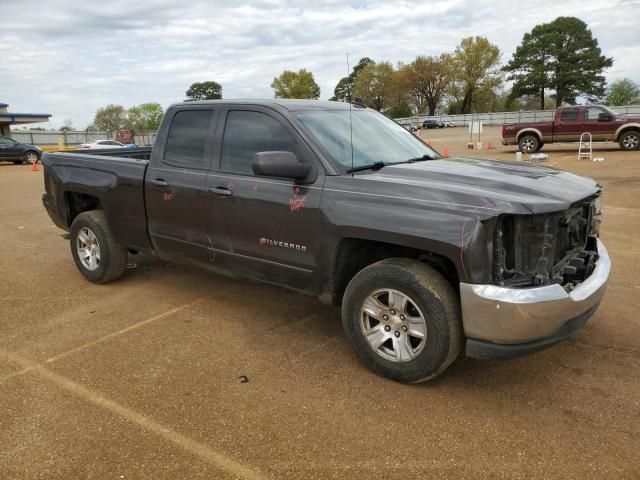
(465, 237)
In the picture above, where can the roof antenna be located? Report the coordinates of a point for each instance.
(350, 118)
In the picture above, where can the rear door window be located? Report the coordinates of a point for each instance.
(569, 114)
(187, 138)
(247, 133)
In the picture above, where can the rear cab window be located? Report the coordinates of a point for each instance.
(188, 135)
(569, 114)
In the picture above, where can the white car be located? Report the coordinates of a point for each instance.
(449, 124)
(100, 144)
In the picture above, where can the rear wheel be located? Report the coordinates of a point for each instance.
(630, 140)
(403, 320)
(529, 144)
(30, 157)
(98, 256)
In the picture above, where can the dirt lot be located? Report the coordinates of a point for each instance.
(143, 378)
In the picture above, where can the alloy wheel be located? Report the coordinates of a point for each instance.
(393, 325)
(88, 249)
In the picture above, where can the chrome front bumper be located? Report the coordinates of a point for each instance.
(509, 316)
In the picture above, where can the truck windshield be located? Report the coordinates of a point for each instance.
(377, 140)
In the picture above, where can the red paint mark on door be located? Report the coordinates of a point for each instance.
(297, 201)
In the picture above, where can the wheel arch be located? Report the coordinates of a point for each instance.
(625, 128)
(31, 150)
(354, 254)
(75, 203)
(525, 131)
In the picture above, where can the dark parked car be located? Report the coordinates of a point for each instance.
(16, 152)
(428, 257)
(432, 124)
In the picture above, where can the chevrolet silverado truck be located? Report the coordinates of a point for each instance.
(569, 123)
(429, 257)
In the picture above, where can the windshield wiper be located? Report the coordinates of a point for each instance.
(371, 166)
(417, 159)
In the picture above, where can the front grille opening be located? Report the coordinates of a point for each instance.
(535, 250)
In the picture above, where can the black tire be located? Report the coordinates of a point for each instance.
(529, 144)
(629, 140)
(27, 157)
(431, 293)
(113, 256)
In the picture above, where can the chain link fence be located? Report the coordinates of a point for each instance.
(71, 139)
(502, 118)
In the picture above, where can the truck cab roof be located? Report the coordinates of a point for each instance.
(284, 104)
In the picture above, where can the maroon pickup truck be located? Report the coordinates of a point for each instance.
(569, 123)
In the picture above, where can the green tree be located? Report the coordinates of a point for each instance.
(374, 84)
(622, 92)
(400, 110)
(204, 91)
(146, 116)
(562, 56)
(110, 118)
(342, 92)
(298, 84)
(475, 69)
(426, 81)
(528, 68)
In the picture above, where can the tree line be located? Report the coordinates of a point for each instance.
(556, 63)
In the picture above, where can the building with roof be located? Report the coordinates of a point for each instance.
(9, 118)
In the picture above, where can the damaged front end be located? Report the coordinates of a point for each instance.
(551, 248)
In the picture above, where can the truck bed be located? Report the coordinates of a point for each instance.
(111, 179)
(140, 153)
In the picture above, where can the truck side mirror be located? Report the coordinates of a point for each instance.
(604, 117)
(280, 164)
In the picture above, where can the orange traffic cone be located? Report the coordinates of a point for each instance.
(34, 166)
(490, 146)
(445, 154)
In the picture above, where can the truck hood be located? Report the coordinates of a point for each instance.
(497, 184)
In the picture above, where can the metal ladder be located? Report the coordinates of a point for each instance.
(584, 145)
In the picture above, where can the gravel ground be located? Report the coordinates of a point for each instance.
(145, 377)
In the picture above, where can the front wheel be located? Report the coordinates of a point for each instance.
(31, 157)
(630, 140)
(529, 144)
(97, 254)
(402, 318)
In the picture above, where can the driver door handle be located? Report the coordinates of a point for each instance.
(222, 191)
(159, 182)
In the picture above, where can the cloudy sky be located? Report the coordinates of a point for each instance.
(69, 58)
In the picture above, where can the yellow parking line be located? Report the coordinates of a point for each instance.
(135, 326)
(212, 457)
(18, 373)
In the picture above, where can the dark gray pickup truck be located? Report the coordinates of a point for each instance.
(429, 257)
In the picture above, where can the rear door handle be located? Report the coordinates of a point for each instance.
(159, 182)
(222, 191)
